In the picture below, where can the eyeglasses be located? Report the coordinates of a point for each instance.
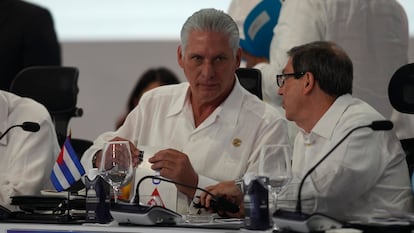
(280, 78)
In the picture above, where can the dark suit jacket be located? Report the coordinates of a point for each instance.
(27, 38)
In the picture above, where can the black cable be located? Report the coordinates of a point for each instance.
(217, 203)
(136, 200)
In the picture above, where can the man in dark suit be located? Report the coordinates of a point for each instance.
(27, 38)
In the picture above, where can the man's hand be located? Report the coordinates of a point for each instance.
(176, 166)
(225, 189)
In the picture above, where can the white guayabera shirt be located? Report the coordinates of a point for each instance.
(367, 171)
(26, 158)
(224, 147)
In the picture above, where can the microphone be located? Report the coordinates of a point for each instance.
(319, 222)
(26, 126)
(381, 125)
(375, 125)
(30, 126)
(217, 203)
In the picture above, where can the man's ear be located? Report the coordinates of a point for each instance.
(180, 56)
(238, 57)
(309, 82)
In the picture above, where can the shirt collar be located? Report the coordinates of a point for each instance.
(332, 116)
(227, 111)
(179, 103)
(231, 107)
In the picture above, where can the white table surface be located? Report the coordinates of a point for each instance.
(112, 227)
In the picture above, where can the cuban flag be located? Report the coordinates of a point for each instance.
(67, 169)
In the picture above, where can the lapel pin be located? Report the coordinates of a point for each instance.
(237, 142)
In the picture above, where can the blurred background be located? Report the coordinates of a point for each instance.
(113, 42)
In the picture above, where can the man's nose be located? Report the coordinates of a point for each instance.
(279, 90)
(207, 69)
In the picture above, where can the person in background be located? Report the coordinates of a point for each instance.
(27, 158)
(238, 10)
(258, 32)
(150, 79)
(373, 32)
(212, 128)
(27, 38)
(365, 173)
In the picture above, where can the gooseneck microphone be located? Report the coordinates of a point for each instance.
(26, 126)
(301, 222)
(30, 126)
(375, 125)
(217, 203)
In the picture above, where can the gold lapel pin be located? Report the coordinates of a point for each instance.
(237, 142)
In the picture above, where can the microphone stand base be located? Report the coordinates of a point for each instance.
(131, 213)
(301, 222)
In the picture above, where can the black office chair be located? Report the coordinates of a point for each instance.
(57, 89)
(251, 80)
(401, 95)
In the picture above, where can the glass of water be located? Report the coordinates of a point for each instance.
(275, 163)
(116, 165)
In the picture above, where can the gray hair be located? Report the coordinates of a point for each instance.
(211, 20)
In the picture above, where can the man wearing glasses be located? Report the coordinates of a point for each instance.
(366, 172)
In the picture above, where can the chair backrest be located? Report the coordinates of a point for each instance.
(251, 79)
(401, 95)
(401, 89)
(56, 88)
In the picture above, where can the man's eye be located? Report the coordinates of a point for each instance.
(220, 58)
(197, 58)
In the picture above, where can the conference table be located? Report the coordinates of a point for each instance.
(94, 228)
(13, 227)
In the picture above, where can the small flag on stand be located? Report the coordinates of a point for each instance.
(67, 169)
(155, 195)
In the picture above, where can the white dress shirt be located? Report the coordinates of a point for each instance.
(367, 171)
(223, 147)
(374, 33)
(403, 124)
(26, 158)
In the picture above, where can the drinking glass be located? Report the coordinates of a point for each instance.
(116, 165)
(275, 163)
